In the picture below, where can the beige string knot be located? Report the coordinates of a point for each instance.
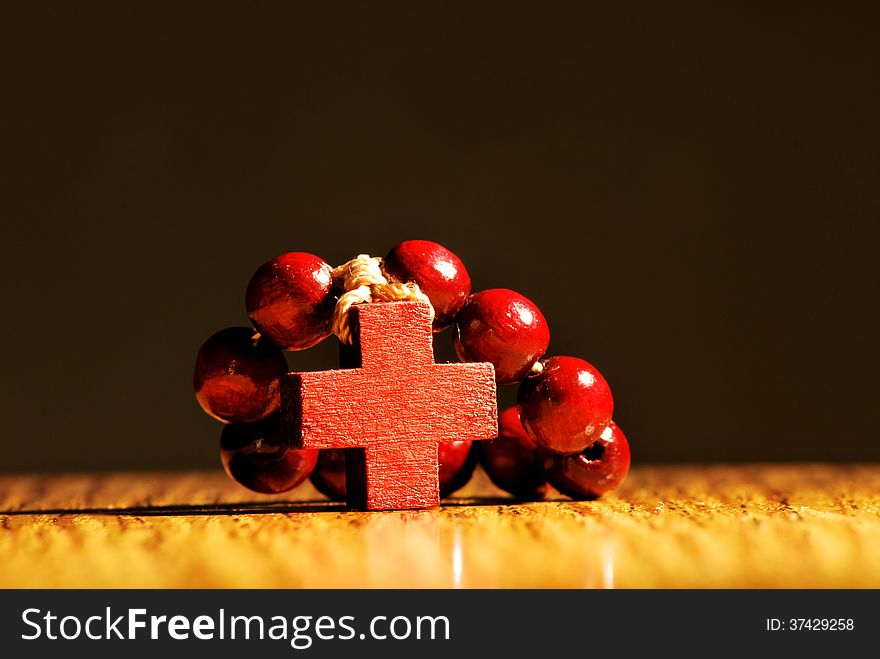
(363, 281)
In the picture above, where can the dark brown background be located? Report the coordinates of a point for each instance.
(689, 194)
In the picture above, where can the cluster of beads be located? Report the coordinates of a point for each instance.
(560, 432)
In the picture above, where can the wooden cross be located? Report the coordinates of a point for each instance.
(393, 409)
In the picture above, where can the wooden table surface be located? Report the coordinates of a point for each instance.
(744, 526)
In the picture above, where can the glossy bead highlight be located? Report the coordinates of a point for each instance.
(290, 300)
(593, 472)
(565, 407)
(502, 327)
(237, 376)
(439, 273)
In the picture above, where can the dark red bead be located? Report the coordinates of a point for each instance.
(329, 474)
(256, 456)
(439, 273)
(565, 407)
(512, 460)
(290, 300)
(457, 463)
(502, 327)
(237, 376)
(594, 471)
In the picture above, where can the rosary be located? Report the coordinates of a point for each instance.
(391, 429)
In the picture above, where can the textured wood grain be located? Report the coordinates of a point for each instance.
(752, 526)
(393, 410)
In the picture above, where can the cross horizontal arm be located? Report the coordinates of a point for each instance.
(349, 408)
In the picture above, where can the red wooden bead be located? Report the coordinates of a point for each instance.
(329, 474)
(237, 373)
(594, 471)
(565, 407)
(393, 410)
(256, 456)
(290, 300)
(512, 460)
(503, 327)
(439, 273)
(456, 465)
(457, 462)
